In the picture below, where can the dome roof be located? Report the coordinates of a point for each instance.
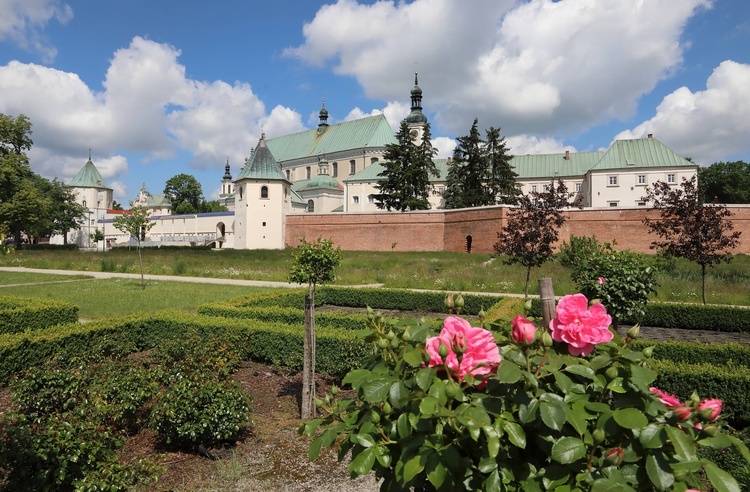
(322, 181)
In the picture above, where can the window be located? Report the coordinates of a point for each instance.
(288, 175)
(335, 169)
(545, 188)
(307, 172)
(242, 188)
(612, 204)
(370, 199)
(612, 180)
(578, 187)
(533, 188)
(355, 200)
(84, 203)
(310, 206)
(373, 160)
(671, 178)
(641, 179)
(352, 167)
(264, 191)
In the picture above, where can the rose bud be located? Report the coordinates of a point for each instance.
(614, 456)
(459, 301)
(546, 339)
(523, 332)
(443, 351)
(601, 280)
(710, 409)
(634, 332)
(449, 303)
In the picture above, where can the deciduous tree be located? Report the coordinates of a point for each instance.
(313, 263)
(406, 171)
(137, 223)
(532, 228)
(185, 193)
(726, 182)
(688, 227)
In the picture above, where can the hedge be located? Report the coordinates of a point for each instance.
(719, 354)
(337, 350)
(288, 316)
(19, 314)
(405, 300)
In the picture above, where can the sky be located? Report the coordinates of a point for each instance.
(160, 88)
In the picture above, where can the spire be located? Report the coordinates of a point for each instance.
(416, 116)
(226, 171)
(323, 114)
(89, 153)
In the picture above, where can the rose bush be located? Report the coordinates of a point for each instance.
(571, 408)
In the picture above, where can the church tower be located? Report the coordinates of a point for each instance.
(416, 119)
(262, 199)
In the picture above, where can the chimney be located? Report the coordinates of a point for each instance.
(650, 135)
(567, 155)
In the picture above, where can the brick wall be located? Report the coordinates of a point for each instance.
(447, 230)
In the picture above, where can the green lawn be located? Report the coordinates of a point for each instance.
(12, 278)
(120, 297)
(455, 272)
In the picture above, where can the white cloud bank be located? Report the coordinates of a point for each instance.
(22, 22)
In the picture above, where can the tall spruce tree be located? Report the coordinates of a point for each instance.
(502, 179)
(406, 172)
(467, 177)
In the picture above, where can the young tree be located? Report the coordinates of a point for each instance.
(312, 264)
(185, 193)
(532, 228)
(466, 184)
(502, 180)
(690, 228)
(406, 171)
(136, 224)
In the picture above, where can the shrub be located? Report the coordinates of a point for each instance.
(19, 314)
(200, 411)
(578, 251)
(45, 390)
(428, 416)
(209, 356)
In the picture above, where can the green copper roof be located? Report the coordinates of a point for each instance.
(298, 199)
(639, 153)
(373, 131)
(158, 200)
(89, 177)
(370, 174)
(262, 164)
(554, 165)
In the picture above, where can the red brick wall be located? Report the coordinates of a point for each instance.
(446, 230)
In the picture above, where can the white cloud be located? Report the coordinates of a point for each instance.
(539, 66)
(444, 146)
(22, 22)
(529, 144)
(148, 106)
(710, 125)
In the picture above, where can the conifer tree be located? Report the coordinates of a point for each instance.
(406, 172)
(502, 179)
(467, 176)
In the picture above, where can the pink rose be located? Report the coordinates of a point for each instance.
(669, 400)
(579, 326)
(524, 331)
(601, 280)
(713, 405)
(470, 350)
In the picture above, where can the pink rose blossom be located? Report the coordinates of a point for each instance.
(601, 280)
(669, 400)
(712, 404)
(470, 350)
(524, 330)
(579, 326)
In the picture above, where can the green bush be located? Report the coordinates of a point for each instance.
(578, 251)
(200, 411)
(697, 317)
(206, 355)
(718, 354)
(44, 390)
(19, 314)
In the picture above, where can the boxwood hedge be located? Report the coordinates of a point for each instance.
(18, 314)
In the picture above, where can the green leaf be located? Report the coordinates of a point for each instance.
(683, 444)
(609, 485)
(630, 418)
(651, 437)
(741, 448)
(563, 382)
(516, 434)
(357, 377)
(721, 480)
(436, 472)
(616, 385)
(658, 472)
(413, 467)
(364, 440)
(437, 391)
(376, 390)
(568, 449)
(527, 412)
(428, 406)
(362, 463)
(424, 377)
(493, 482)
(493, 441)
(402, 426)
(413, 357)
(576, 418)
(553, 414)
(397, 392)
(487, 465)
(314, 450)
(581, 370)
(642, 376)
(508, 372)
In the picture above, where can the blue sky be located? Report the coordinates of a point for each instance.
(158, 88)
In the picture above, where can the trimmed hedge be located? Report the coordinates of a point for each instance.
(718, 354)
(19, 314)
(405, 300)
(289, 316)
(337, 350)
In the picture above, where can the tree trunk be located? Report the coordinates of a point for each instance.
(308, 367)
(140, 262)
(703, 282)
(526, 290)
(547, 296)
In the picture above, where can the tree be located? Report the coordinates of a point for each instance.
(212, 206)
(185, 193)
(407, 169)
(312, 264)
(116, 205)
(137, 223)
(502, 180)
(15, 171)
(532, 228)
(726, 182)
(480, 173)
(690, 228)
(65, 213)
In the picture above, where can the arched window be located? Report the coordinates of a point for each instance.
(352, 167)
(335, 169)
(307, 172)
(310, 206)
(264, 191)
(84, 203)
(373, 160)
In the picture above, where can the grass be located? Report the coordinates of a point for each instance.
(12, 278)
(120, 297)
(726, 284)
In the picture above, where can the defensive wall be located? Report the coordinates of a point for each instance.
(447, 230)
